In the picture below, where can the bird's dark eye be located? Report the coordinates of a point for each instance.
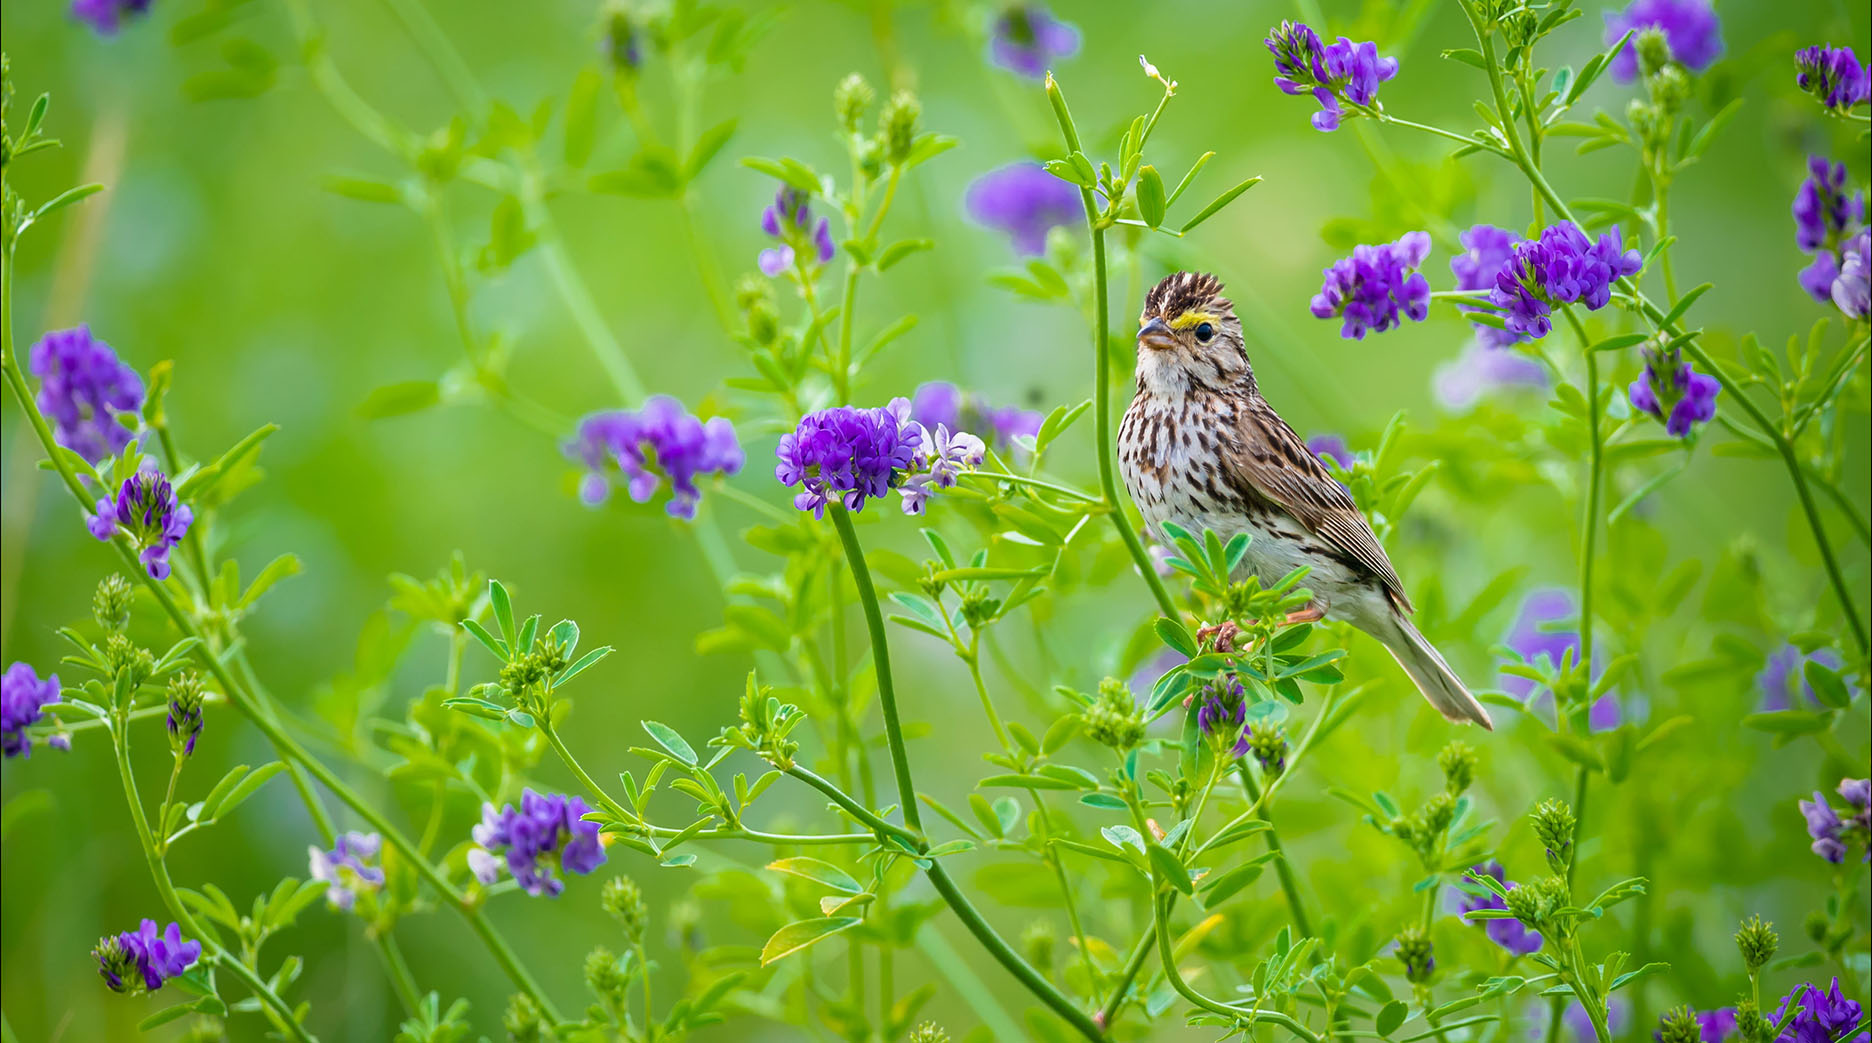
(1204, 332)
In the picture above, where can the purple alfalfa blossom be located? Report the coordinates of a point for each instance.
(1852, 287)
(1674, 393)
(1823, 212)
(1464, 380)
(1221, 710)
(107, 16)
(662, 441)
(1486, 251)
(1690, 28)
(1508, 933)
(1785, 670)
(1832, 835)
(1336, 74)
(1025, 39)
(1371, 288)
(787, 219)
(544, 835)
(144, 959)
(1025, 202)
(1833, 75)
(87, 391)
(852, 455)
(1547, 628)
(1825, 1017)
(1562, 266)
(23, 699)
(1331, 447)
(146, 509)
(350, 867)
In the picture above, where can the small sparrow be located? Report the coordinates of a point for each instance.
(1199, 447)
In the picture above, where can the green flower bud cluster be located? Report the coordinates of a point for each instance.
(523, 1021)
(928, 1032)
(897, 126)
(1554, 825)
(110, 606)
(623, 899)
(1115, 720)
(605, 977)
(1414, 951)
(1756, 941)
(1037, 943)
(1679, 1025)
(765, 724)
(1458, 761)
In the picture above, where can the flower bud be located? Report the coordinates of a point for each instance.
(623, 899)
(929, 1032)
(1525, 904)
(1115, 720)
(1268, 743)
(1435, 816)
(522, 1020)
(1458, 762)
(605, 977)
(127, 661)
(897, 125)
(1415, 953)
(1749, 1022)
(1679, 1025)
(620, 44)
(1037, 943)
(1553, 825)
(1670, 88)
(850, 99)
(1757, 941)
(110, 606)
(1653, 50)
(185, 713)
(116, 965)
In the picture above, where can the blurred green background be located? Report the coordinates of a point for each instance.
(279, 302)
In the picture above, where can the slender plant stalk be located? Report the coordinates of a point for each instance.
(1160, 909)
(1290, 884)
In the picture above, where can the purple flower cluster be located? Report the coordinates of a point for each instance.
(1561, 267)
(1510, 934)
(150, 955)
(146, 509)
(852, 454)
(1370, 288)
(1714, 1026)
(1690, 28)
(1025, 202)
(787, 220)
(23, 699)
(661, 440)
(1535, 635)
(1784, 670)
(1336, 74)
(106, 16)
(939, 403)
(1832, 835)
(1825, 1017)
(1222, 711)
(86, 390)
(350, 867)
(1830, 224)
(1833, 76)
(1673, 392)
(1486, 251)
(543, 834)
(1027, 38)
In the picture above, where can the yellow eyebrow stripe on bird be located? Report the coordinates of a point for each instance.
(1191, 318)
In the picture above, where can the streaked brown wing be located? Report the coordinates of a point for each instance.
(1275, 465)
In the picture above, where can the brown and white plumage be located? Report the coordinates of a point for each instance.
(1201, 448)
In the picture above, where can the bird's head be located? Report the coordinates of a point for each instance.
(1189, 337)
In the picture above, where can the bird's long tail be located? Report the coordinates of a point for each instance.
(1433, 677)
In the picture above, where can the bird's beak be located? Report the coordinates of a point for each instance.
(1156, 334)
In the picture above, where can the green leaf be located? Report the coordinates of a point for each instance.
(66, 198)
(504, 615)
(1173, 633)
(1169, 867)
(1027, 782)
(792, 172)
(1390, 1016)
(819, 872)
(1789, 722)
(706, 148)
(219, 793)
(1621, 342)
(1683, 305)
(1221, 888)
(581, 113)
(166, 1015)
(278, 569)
(1201, 162)
(899, 250)
(1220, 201)
(1150, 196)
(667, 738)
(800, 934)
(1826, 684)
(361, 189)
(247, 787)
(492, 643)
(1470, 57)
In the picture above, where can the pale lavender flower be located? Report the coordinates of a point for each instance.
(1510, 934)
(941, 404)
(1463, 381)
(1025, 202)
(87, 391)
(1331, 447)
(662, 441)
(350, 867)
(1784, 670)
(544, 835)
(107, 16)
(1852, 288)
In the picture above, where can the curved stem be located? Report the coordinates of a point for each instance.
(1160, 909)
(1589, 521)
(1290, 884)
(590, 784)
(855, 809)
(880, 660)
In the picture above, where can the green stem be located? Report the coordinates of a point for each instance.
(855, 809)
(1160, 909)
(590, 784)
(1290, 884)
(401, 980)
(1589, 521)
(1051, 856)
(981, 690)
(880, 661)
(1127, 974)
(705, 263)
